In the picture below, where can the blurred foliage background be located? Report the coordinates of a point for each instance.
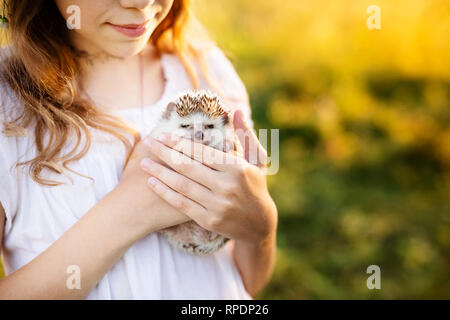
(364, 139)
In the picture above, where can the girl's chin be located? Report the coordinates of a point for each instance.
(125, 50)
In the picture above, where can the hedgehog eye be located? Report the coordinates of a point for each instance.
(209, 126)
(185, 126)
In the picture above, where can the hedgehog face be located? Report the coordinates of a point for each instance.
(199, 127)
(199, 116)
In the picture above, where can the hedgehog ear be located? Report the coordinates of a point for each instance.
(171, 107)
(225, 118)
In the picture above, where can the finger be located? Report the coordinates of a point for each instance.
(178, 201)
(178, 182)
(239, 151)
(183, 164)
(254, 152)
(210, 157)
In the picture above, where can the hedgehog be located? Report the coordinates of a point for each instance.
(198, 115)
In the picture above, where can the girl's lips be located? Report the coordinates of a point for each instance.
(131, 30)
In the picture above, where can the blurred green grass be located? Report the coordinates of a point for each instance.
(364, 139)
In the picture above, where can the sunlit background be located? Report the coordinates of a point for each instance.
(364, 120)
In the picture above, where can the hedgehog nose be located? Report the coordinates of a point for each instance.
(199, 135)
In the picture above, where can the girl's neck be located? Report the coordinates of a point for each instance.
(115, 83)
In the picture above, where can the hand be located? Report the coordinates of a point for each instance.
(229, 197)
(147, 210)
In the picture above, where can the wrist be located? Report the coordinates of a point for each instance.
(267, 231)
(259, 243)
(124, 214)
(140, 211)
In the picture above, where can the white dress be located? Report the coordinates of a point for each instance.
(37, 215)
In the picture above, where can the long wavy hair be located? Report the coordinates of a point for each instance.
(43, 70)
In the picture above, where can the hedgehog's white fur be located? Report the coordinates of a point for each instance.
(190, 237)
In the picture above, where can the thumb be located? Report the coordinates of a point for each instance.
(254, 152)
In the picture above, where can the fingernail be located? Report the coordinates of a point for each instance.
(147, 141)
(163, 137)
(152, 181)
(145, 163)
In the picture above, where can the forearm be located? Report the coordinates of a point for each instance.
(94, 244)
(255, 262)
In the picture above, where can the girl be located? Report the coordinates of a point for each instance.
(81, 82)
